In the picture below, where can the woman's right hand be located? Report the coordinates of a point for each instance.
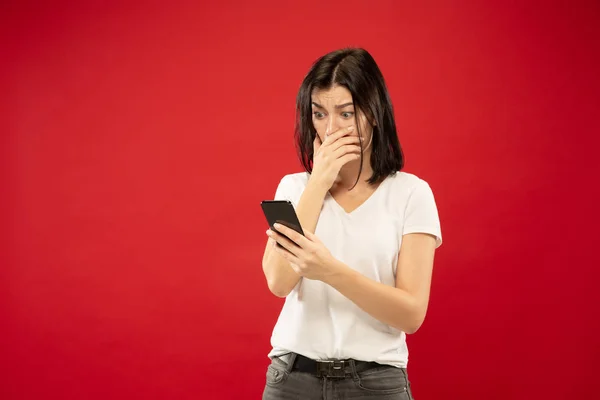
(329, 156)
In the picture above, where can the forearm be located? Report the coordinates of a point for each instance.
(388, 304)
(281, 278)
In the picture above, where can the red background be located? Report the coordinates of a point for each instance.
(138, 141)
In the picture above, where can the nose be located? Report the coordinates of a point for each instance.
(332, 126)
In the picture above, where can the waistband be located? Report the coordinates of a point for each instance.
(328, 368)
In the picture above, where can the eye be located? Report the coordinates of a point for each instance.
(318, 115)
(347, 114)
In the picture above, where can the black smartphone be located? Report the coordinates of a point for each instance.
(282, 212)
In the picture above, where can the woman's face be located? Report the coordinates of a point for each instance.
(332, 109)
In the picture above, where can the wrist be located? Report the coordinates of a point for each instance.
(317, 186)
(338, 271)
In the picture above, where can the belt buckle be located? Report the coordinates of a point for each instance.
(331, 369)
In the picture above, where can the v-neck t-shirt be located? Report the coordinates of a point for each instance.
(319, 322)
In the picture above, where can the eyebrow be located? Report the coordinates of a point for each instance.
(338, 106)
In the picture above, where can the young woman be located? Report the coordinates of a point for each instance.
(356, 286)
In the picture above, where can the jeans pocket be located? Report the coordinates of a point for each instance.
(276, 372)
(382, 380)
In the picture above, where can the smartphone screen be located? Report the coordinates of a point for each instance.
(282, 212)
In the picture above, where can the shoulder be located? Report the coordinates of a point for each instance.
(296, 180)
(291, 187)
(407, 183)
(408, 191)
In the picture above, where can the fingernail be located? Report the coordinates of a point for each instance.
(276, 225)
(350, 128)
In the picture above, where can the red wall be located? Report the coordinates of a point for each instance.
(138, 141)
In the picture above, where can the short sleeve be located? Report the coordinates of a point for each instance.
(286, 190)
(421, 215)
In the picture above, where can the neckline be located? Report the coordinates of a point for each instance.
(361, 205)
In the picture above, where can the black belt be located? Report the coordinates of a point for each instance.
(330, 368)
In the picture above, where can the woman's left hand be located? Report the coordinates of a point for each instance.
(307, 255)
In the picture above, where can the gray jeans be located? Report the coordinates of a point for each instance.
(385, 382)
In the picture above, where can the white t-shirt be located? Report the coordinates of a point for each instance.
(319, 322)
